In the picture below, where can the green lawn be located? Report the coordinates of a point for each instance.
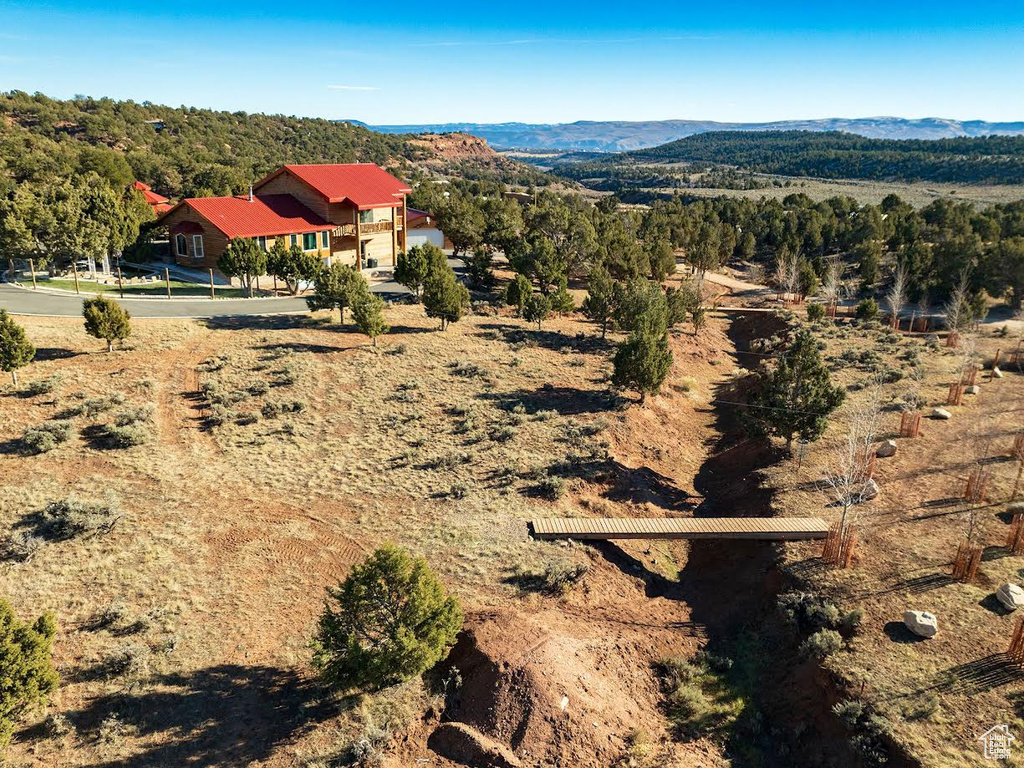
(144, 289)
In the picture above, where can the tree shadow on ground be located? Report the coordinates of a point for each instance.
(567, 401)
(268, 322)
(55, 353)
(223, 715)
(554, 340)
(298, 346)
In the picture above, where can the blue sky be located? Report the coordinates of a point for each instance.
(530, 62)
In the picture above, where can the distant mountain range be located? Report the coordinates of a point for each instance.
(622, 136)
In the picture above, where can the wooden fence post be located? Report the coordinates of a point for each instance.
(120, 284)
(211, 284)
(74, 269)
(32, 270)
(167, 281)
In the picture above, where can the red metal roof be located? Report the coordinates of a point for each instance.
(151, 197)
(364, 184)
(263, 216)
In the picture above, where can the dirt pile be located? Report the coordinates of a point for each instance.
(550, 690)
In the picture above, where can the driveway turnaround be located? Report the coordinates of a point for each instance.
(23, 301)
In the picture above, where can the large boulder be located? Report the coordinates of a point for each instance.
(1010, 596)
(973, 389)
(921, 623)
(996, 373)
(886, 449)
(465, 744)
(941, 413)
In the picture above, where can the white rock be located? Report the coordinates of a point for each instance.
(921, 623)
(869, 490)
(1011, 596)
(941, 413)
(996, 373)
(974, 389)
(886, 449)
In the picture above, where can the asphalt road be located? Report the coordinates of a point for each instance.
(22, 301)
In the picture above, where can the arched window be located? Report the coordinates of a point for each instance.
(181, 244)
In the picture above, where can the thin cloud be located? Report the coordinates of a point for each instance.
(352, 88)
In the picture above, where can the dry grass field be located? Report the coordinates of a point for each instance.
(937, 696)
(183, 629)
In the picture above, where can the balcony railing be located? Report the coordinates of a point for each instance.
(371, 228)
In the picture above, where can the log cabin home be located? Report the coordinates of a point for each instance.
(353, 213)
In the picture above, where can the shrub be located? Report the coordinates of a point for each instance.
(27, 676)
(808, 612)
(106, 319)
(822, 643)
(71, 517)
(20, 547)
(129, 660)
(46, 436)
(44, 386)
(503, 434)
(126, 436)
(851, 622)
(134, 415)
(815, 312)
(559, 578)
(551, 488)
(271, 410)
(867, 309)
(258, 388)
(458, 490)
(389, 620)
(219, 415)
(699, 701)
(466, 369)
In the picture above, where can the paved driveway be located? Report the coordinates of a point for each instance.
(23, 301)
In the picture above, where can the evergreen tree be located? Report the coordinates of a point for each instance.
(869, 253)
(15, 348)
(479, 267)
(662, 259)
(368, 313)
(389, 620)
(561, 300)
(243, 259)
(411, 268)
(444, 297)
(642, 362)
(797, 396)
(681, 302)
(27, 676)
(335, 287)
(518, 291)
(536, 309)
(642, 306)
(292, 265)
(106, 319)
(600, 303)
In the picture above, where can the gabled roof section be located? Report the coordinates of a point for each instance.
(364, 184)
(147, 192)
(263, 216)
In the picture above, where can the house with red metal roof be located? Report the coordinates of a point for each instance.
(354, 213)
(158, 203)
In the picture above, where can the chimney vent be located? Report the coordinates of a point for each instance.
(250, 193)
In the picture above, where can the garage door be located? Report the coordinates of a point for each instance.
(424, 236)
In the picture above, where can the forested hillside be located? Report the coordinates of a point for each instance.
(835, 155)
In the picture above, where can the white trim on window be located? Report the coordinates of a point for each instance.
(306, 237)
(197, 247)
(180, 245)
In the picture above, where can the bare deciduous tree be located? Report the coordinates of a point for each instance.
(896, 297)
(847, 468)
(957, 309)
(832, 287)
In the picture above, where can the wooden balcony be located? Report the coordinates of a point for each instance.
(373, 228)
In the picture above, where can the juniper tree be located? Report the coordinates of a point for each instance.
(27, 676)
(334, 288)
(389, 620)
(536, 309)
(243, 259)
(642, 362)
(518, 291)
(600, 303)
(797, 396)
(561, 300)
(444, 297)
(106, 319)
(16, 350)
(642, 306)
(411, 268)
(293, 265)
(479, 267)
(368, 313)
